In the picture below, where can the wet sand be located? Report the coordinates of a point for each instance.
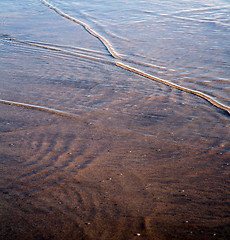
(117, 155)
(68, 179)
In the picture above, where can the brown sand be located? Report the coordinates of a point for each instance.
(66, 179)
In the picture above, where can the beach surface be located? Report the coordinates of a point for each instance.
(67, 179)
(94, 142)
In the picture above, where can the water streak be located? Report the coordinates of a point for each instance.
(44, 109)
(49, 47)
(189, 19)
(86, 27)
(72, 51)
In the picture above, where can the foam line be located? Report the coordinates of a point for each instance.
(195, 92)
(60, 48)
(70, 47)
(62, 51)
(44, 109)
(86, 27)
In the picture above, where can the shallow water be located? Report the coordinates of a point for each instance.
(187, 43)
(151, 38)
(95, 91)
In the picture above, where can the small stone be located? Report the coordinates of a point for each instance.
(137, 234)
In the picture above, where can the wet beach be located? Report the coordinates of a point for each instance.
(92, 150)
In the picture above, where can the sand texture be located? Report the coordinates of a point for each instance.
(66, 179)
